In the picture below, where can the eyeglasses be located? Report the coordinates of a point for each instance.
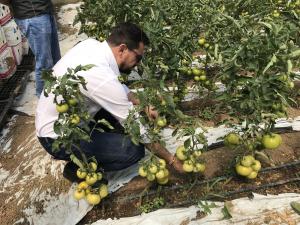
(138, 57)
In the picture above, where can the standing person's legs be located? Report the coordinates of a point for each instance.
(54, 41)
(38, 31)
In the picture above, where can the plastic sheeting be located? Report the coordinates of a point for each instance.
(271, 209)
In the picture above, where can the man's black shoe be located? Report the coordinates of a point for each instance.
(70, 172)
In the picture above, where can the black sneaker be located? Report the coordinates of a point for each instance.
(70, 172)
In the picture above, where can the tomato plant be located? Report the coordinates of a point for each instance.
(72, 126)
(154, 168)
(252, 46)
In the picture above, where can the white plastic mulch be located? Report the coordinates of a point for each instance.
(271, 209)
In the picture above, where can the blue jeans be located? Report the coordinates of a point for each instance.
(112, 151)
(41, 32)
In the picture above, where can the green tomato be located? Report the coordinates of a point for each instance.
(196, 78)
(72, 101)
(62, 108)
(201, 41)
(75, 119)
(271, 141)
(247, 160)
(202, 78)
(196, 71)
(233, 139)
(161, 122)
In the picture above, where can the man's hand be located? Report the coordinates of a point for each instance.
(131, 97)
(163, 153)
(149, 110)
(151, 113)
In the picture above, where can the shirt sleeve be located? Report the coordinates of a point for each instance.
(127, 90)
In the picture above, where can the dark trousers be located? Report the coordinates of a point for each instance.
(113, 150)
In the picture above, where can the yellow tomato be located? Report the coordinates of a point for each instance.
(142, 172)
(188, 166)
(91, 178)
(160, 174)
(81, 173)
(150, 177)
(200, 167)
(153, 168)
(163, 180)
(93, 166)
(247, 160)
(243, 170)
(252, 175)
(99, 176)
(197, 153)
(93, 199)
(166, 172)
(180, 153)
(256, 165)
(82, 185)
(103, 191)
(79, 194)
(162, 163)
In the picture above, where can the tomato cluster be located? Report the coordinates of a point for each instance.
(191, 160)
(86, 188)
(154, 168)
(68, 108)
(248, 167)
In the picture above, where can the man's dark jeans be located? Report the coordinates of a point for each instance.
(113, 151)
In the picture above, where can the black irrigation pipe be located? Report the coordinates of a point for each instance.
(264, 170)
(231, 193)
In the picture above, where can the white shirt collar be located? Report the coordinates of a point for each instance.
(111, 58)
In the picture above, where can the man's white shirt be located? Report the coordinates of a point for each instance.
(103, 87)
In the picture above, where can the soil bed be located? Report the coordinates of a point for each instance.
(181, 191)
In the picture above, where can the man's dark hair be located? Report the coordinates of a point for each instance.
(129, 34)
